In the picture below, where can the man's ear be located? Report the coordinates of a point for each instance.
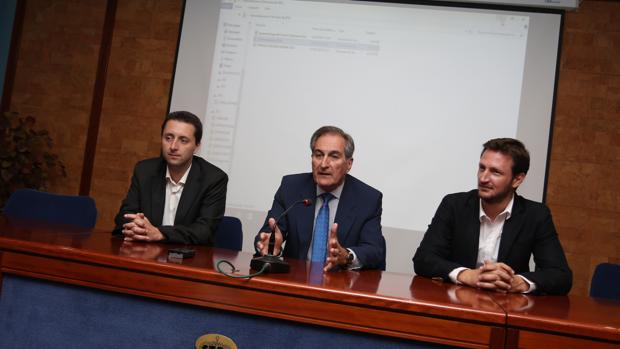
(349, 164)
(517, 180)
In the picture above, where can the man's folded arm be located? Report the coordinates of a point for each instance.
(432, 256)
(552, 274)
(131, 204)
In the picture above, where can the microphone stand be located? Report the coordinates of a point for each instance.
(272, 263)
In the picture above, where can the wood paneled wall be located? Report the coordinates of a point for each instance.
(136, 97)
(56, 70)
(584, 187)
(55, 75)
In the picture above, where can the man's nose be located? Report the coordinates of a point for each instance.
(174, 144)
(483, 176)
(324, 161)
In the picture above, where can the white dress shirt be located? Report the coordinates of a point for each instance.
(489, 240)
(173, 196)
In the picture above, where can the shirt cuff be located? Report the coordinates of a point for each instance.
(454, 274)
(532, 285)
(355, 264)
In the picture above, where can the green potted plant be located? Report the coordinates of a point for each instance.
(26, 159)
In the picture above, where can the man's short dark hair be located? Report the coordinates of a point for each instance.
(513, 148)
(349, 145)
(187, 117)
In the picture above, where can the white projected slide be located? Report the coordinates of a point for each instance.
(419, 89)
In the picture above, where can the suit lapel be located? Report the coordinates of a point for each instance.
(158, 195)
(472, 230)
(305, 224)
(191, 189)
(511, 229)
(345, 214)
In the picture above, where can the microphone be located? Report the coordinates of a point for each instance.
(272, 238)
(271, 263)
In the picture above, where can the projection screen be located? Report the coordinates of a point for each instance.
(419, 88)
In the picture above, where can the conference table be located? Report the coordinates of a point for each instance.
(62, 286)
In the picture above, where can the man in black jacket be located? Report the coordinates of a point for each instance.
(177, 197)
(484, 238)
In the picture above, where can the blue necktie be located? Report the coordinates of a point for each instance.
(321, 230)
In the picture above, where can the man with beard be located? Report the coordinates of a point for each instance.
(484, 238)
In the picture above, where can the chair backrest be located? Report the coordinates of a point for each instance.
(606, 281)
(53, 208)
(229, 234)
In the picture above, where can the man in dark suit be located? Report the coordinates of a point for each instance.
(343, 228)
(177, 197)
(484, 238)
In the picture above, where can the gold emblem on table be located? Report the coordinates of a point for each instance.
(215, 341)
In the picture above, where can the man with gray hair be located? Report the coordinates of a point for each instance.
(344, 228)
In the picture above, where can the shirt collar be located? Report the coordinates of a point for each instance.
(507, 212)
(336, 192)
(183, 178)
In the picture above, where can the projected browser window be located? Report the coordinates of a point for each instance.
(400, 80)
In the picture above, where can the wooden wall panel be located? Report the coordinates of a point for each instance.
(55, 75)
(136, 97)
(583, 189)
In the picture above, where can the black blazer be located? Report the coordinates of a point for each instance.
(200, 208)
(451, 241)
(358, 217)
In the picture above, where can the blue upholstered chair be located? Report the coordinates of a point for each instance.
(606, 281)
(229, 234)
(53, 208)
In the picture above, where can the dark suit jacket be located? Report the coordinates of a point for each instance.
(200, 208)
(451, 241)
(358, 217)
